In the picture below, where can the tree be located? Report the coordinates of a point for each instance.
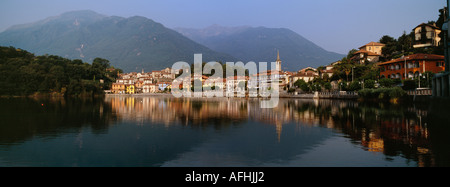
(327, 86)
(369, 83)
(320, 69)
(354, 86)
(387, 83)
(405, 42)
(22, 73)
(100, 63)
(300, 83)
(351, 53)
(389, 49)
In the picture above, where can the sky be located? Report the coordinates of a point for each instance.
(335, 25)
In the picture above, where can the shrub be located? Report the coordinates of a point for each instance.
(396, 92)
(369, 83)
(382, 93)
(387, 83)
(354, 86)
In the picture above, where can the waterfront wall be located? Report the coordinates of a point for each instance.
(323, 95)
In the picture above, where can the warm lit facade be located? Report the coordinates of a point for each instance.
(370, 52)
(411, 66)
(131, 89)
(149, 88)
(426, 35)
(373, 47)
(118, 88)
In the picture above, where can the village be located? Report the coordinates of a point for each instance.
(366, 67)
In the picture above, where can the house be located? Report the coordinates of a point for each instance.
(370, 52)
(236, 83)
(373, 47)
(138, 86)
(130, 89)
(118, 88)
(163, 85)
(149, 88)
(328, 70)
(411, 66)
(426, 35)
(306, 76)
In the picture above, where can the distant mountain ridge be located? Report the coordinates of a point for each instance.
(260, 44)
(137, 43)
(131, 44)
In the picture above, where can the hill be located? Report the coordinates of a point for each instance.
(24, 74)
(131, 44)
(260, 44)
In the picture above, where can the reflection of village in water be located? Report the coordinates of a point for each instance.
(392, 131)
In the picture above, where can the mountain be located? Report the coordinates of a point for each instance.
(131, 44)
(260, 44)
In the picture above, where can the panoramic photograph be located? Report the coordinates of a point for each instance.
(224, 90)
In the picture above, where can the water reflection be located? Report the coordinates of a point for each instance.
(394, 130)
(25, 118)
(167, 131)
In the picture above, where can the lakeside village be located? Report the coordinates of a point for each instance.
(396, 65)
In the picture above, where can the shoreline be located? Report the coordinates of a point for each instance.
(300, 96)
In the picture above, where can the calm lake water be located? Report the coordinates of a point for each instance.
(164, 131)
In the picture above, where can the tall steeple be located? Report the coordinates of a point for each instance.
(278, 62)
(278, 56)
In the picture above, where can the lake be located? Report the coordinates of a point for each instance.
(162, 131)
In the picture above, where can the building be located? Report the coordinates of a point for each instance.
(328, 70)
(118, 88)
(149, 88)
(426, 35)
(373, 47)
(278, 62)
(411, 66)
(306, 76)
(370, 52)
(130, 89)
(161, 86)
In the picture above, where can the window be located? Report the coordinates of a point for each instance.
(439, 64)
(410, 65)
(416, 64)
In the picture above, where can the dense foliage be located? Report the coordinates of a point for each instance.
(382, 93)
(23, 74)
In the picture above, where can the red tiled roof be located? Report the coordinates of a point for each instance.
(373, 44)
(369, 53)
(424, 24)
(415, 57)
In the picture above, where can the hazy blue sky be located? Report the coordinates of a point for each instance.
(335, 25)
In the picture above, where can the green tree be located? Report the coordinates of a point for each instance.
(390, 48)
(387, 83)
(327, 86)
(369, 83)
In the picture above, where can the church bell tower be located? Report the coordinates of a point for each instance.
(278, 62)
